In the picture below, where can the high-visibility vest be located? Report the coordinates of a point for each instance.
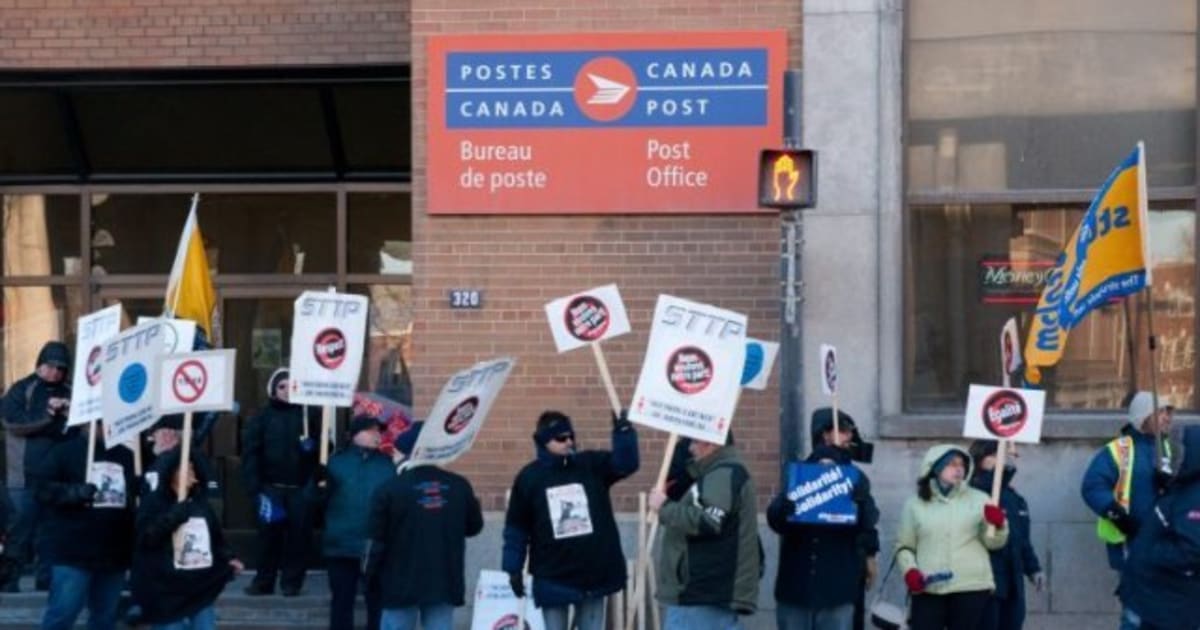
(1122, 451)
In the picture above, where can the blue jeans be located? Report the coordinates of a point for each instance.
(789, 617)
(433, 617)
(701, 618)
(589, 615)
(72, 588)
(204, 619)
(27, 541)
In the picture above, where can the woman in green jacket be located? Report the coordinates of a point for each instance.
(943, 542)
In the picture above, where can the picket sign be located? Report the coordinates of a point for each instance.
(588, 318)
(829, 380)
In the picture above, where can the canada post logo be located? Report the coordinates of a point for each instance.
(724, 87)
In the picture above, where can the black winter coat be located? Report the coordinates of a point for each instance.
(823, 566)
(32, 430)
(1161, 578)
(419, 524)
(273, 451)
(1016, 560)
(96, 535)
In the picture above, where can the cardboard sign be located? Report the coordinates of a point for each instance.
(196, 381)
(829, 370)
(1010, 344)
(496, 608)
(588, 317)
(91, 331)
(691, 377)
(179, 335)
(327, 347)
(760, 359)
(460, 411)
(1004, 413)
(822, 494)
(129, 389)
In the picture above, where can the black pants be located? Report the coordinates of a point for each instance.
(345, 577)
(284, 547)
(1004, 614)
(956, 611)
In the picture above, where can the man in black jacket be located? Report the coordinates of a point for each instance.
(418, 527)
(278, 461)
(88, 521)
(823, 568)
(560, 511)
(35, 414)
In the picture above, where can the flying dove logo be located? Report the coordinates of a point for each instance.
(605, 89)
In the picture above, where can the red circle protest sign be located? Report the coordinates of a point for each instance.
(1005, 413)
(189, 381)
(462, 415)
(689, 370)
(329, 348)
(91, 371)
(587, 318)
(508, 622)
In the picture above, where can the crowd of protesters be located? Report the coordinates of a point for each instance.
(396, 533)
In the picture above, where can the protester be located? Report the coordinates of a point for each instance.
(345, 499)
(1159, 587)
(1122, 480)
(1016, 560)
(560, 511)
(278, 462)
(824, 568)
(181, 560)
(710, 560)
(419, 523)
(35, 415)
(89, 529)
(943, 542)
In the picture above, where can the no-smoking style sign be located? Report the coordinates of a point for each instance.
(588, 317)
(1005, 413)
(196, 381)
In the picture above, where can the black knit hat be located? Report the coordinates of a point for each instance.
(362, 423)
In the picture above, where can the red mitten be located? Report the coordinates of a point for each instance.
(914, 581)
(993, 515)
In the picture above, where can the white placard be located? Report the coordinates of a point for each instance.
(1010, 348)
(460, 411)
(587, 317)
(130, 364)
(760, 359)
(91, 331)
(196, 381)
(692, 375)
(179, 336)
(328, 335)
(1004, 413)
(496, 608)
(829, 370)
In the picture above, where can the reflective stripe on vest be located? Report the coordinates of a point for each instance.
(1121, 450)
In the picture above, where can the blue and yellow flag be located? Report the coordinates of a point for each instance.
(1106, 258)
(190, 292)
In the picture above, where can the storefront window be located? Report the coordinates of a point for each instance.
(41, 235)
(33, 316)
(388, 357)
(379, 227)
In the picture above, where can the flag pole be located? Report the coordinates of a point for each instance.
(1160, 463)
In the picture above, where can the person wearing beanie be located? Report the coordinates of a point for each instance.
(825, 568)
(350, 480)
(1016, 560)
(560, 514)
(943, 542)
(1122, 481)
(279, 457)
(419, 523)
(35, 417)
(181, 561)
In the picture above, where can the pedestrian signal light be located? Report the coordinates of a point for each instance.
(787, 179)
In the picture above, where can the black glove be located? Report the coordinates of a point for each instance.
(517, 582)
(80, 493)
(1121, 518)
(1162, 479)
(621, 421)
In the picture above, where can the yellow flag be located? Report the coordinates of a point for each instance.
(1105, 259)
(190, 292)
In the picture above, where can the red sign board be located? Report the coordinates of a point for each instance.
(602, 122)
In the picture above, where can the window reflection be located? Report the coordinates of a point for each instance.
(41, 235)
(379, 228)
(32, 317)
(388, 358)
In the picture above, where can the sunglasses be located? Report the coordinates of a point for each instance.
(565, 437)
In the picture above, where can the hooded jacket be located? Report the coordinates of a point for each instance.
(1016, 560)
(167, 593)
(710, 553)
(1161, 579)
(274, 452)
(32, 429)
(947, 533)
(354, 475)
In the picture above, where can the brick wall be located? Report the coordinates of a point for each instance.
(523, 262)
(176, 33)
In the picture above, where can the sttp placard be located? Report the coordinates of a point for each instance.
(328, 336)
(459, 412)
(91, 333)
(129, 388)
(658, 122)
(587, 317)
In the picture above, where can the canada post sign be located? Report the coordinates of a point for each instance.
(601, 123)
